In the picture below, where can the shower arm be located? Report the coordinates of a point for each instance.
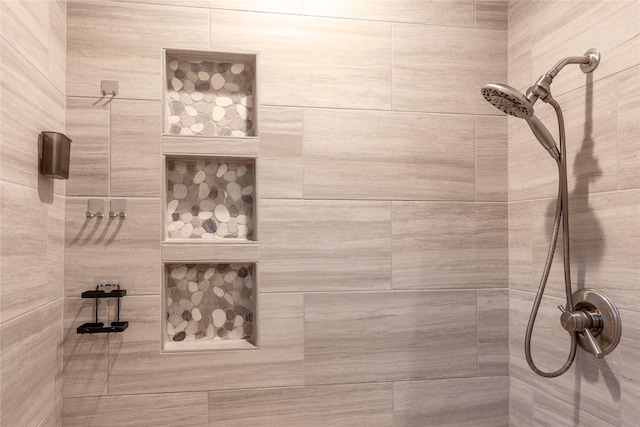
(542, 87)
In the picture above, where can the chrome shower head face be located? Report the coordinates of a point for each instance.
(508, 100)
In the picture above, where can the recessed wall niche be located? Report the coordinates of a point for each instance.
(210, 94)
(210, 306)
(210, 199)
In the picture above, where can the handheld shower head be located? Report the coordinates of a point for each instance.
(513, 102)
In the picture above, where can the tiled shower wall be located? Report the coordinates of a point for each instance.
(32, 99)
(382, 223)
(602, 113)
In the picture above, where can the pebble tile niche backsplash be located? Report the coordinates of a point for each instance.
(210, 302)
(210, 98)
(210, 199)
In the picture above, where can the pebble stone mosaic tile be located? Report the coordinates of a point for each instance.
(210, 199)
(210, 302)
(210, 98)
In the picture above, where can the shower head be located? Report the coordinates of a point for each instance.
(508, 100)
(513, 102)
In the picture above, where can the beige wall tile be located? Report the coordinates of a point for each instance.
(491, 156)
(361, 404)
(389, 156)
(492, 14)
(228, 252)
(456, 13)
(389, 336)
(31, 365)
(58, 44)
(542, 219)
(590, 118)
(241, 147)
(275, 6)
(558, 32)
(493, 332)
(136, 148)
(519, 54)
(281, 153)
(29, 105)
(551, 412)
(629, 348)
(480, 402)
(520, 246)
(629, 128)
(54, 419)
(137, 366)
(605, 244)
(308, 61)
(25, 25)
(26, 282)
(55, 246)
(520, 10)
(88, 127)
(439, 69)
(520, 404)
(449, 245)
(85, 355)
(133, 58)
(168, 409)
(596, 383)
(124, 248)
(324, 245)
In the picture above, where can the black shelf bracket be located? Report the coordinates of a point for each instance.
(98, 327)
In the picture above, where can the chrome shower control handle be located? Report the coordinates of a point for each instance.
(582, 322)
(593, 345)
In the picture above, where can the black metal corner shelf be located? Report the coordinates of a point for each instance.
(98, 327)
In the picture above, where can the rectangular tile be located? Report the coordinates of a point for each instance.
(243, 147)
(25, 24)
(275, 6)
(330, 58)
(135, 148)
(31, 365)
(222, 252)
(456, 13)
(630, 383)
(281, 153)
(441, 70)
(124, 248)
(493, 332)
(85, 355)
(324, 245)
(629, 128)
(520, 246)
(174, 409)
(54, 419)
(519, 55)
(491, 180)
(520, 404)
(24, 89)
(361, 404)
(478, 402)
(24, 232)
(91, 57)
(389, 336)
(590, 117)
(551, 412)
(492, 14)
(58, 44)
(449, 245)
(88, 123)
(390, 156)
(136, 364)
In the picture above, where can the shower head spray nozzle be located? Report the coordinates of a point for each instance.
(508, 100)
(513, 102)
